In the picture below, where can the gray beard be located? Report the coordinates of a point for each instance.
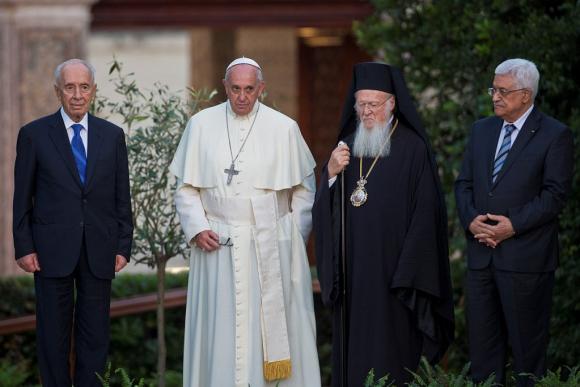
(368, 142)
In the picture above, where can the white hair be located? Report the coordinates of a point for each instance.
(60, 67)
(524, 72)
(368, 141)
(259, 75)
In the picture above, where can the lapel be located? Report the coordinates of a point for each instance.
(491, 147)
(59, 137)
(531, 126)
(95, 141)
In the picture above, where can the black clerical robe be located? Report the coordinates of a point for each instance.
(399, 302)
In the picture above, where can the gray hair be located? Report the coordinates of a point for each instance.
(259, 75)
(60, 67)
(524, 72)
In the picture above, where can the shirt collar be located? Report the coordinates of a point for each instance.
(68, 122)
(520, 121)
(246, 117)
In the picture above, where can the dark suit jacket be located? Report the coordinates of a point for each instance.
(53, 212)
(530, 190)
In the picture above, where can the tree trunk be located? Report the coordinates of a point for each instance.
(161, 347)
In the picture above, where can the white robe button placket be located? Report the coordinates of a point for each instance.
(240, 286)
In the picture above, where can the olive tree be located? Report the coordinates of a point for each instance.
(154, 120)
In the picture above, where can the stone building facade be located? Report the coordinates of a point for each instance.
(304, 46)
(34, 37)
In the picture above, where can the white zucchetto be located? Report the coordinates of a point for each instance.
(243, 60)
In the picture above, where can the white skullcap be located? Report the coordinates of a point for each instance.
(243, 60)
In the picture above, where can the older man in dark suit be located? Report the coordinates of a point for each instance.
(513, 184)
(72, 225)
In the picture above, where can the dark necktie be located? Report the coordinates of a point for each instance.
(79, 152)
(503, 150)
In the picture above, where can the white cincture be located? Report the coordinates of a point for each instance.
(277, 364)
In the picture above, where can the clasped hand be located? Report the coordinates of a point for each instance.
(207, 240)
(491, 235)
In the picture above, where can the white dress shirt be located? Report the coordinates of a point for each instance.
(68, 123)
(519, 123)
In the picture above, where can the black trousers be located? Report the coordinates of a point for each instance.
(508, 307)
(57, 310)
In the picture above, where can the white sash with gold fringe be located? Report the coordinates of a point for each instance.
(277, 364)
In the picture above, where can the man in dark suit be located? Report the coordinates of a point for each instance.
(72, 225)
(514, 181)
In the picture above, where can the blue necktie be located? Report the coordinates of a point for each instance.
(79, 152)
(503, 150)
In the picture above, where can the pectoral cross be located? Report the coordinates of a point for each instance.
(231, 172)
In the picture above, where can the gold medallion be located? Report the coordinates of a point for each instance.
(359, 195)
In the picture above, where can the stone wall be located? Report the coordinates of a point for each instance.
(276, 50)
(305, 81)
(35, 36)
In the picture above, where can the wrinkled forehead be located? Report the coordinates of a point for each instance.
(505, 81)
(75, 72)
(370, 95)
(242, 73)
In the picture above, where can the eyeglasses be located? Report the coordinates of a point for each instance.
(502, 92)
(374, 106)
(228, 242)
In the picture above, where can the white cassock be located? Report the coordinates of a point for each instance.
(250, 311)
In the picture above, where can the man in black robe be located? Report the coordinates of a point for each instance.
(390, 291)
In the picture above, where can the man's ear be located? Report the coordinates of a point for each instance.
(57, 92)
(391, 103)
(93, 92)
(527, 97)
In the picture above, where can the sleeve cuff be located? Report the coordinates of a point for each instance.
(331, 181)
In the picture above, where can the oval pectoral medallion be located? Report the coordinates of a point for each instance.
(359, 195)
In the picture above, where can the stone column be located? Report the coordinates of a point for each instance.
(211, 51)
(276, 50)
(35, 36)
(201, 54)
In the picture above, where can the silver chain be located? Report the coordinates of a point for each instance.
(247, 136)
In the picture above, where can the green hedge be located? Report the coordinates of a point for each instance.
(133, 338)
(448, 51)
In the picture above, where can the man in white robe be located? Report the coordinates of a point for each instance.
(244, 198)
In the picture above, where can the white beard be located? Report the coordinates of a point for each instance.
(368, 142)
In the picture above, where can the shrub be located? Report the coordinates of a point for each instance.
(133, 338)
(448, 50)
(12, 375)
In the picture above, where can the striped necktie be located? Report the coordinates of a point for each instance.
(79, 152)
(503, 150)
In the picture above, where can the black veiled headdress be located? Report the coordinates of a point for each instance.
(382, 77)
